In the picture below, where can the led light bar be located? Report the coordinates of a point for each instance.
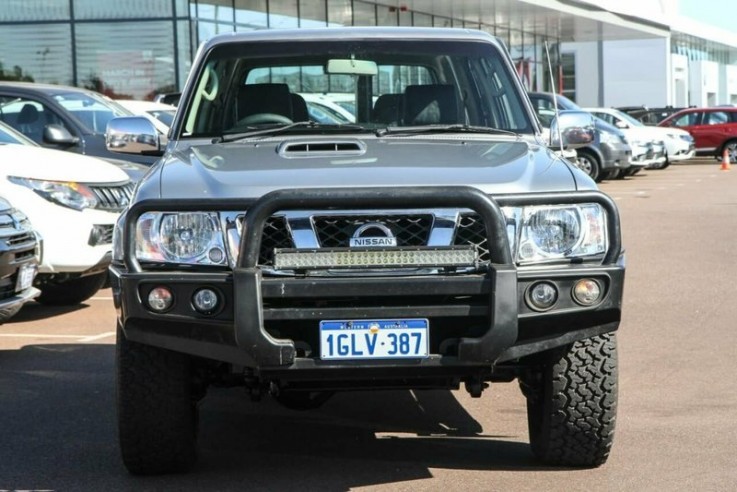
(314, 259)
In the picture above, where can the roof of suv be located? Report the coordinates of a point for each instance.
(343, 33)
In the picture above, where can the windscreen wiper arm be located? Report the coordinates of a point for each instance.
(275, 130)
(454, 128)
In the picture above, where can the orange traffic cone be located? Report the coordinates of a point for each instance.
(725, 161)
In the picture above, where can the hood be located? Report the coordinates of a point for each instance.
(26, 161)
(253, 168)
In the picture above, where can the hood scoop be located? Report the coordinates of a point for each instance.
(321, 148)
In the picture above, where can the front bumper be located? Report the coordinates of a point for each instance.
(615, 155)
(270, 324)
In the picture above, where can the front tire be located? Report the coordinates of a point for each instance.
(589, 164)
(71, 291)
(157, 413)
(572, 403)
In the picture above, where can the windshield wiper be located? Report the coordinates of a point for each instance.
(275, 130)
(455, 128)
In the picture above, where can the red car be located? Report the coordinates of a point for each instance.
(713, 129)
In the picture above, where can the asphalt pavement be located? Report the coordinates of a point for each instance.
(676, 427)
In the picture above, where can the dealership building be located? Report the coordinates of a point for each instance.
(603, 52)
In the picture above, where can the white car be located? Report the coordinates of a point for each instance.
(161, 115)
(324, 109)
(679, 145)
(73, 202)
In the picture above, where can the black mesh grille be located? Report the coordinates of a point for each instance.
(113, 197)
(276, 235)
(17, 239)
(471, 231)
(410, 230)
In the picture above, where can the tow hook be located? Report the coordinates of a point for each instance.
(475, 387)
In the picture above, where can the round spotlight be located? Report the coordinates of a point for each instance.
(542, 296)
(206, 301)
(587, 292)
(160, 299)
(216, 255)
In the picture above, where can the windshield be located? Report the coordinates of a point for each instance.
(91, 110)
(364, 85)
(10, 136)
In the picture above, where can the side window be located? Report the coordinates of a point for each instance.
(716, 118)
(28, 116)
(687, 119)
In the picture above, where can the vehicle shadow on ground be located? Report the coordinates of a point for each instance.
(59, 432)
(35, 311)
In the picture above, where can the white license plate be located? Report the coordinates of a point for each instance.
(374, 339)
(26, 274)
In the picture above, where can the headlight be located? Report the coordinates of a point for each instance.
(612, 138)
(557, 232)
(180, 237)
(65, 193)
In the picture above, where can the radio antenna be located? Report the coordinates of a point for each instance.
(555, 98)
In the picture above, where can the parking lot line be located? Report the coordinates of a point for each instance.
(93, 338)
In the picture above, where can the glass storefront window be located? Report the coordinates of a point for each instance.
(250, 15)
(126, 59)
(283, 14)
(388, 15)
(340, 13)
(364, 14)
(422, 20)
(312, 13)
(121, 9)
(185, 52)
(215, 10)
(34, 10)
(40, 53)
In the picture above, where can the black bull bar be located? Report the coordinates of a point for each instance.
(266, 351)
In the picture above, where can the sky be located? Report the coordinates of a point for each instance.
(720, 13)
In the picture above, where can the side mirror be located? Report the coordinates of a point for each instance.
(575, 128)
(621, 124)
(132, 135)
(59, 135)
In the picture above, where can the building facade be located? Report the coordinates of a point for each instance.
(137, 48)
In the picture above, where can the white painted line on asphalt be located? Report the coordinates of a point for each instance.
(30, 335)
(93, 338)
(100, 298)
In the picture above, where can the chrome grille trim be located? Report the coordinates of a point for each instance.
(297, 229)
(113, 197)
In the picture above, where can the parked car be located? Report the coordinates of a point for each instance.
(161, 115)
(648, 149)
(73, 201)
(66, 118)
(19, 252)
(649, 116)
(323, 109)
(296, 259)
(714, 130)
(679, 144)
(607, 157)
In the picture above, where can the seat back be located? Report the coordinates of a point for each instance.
(430, 104)
(299, 108)
(386, 109)
(264, 98)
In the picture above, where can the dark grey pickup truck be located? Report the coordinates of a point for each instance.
(433, 240)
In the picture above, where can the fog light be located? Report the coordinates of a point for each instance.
(160, 299)
(587, 292)
(542, 296)
(205, 301)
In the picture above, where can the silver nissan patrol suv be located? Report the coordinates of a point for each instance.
(433, 240)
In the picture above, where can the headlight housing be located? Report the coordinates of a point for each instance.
(69, 194)
(193, 238)
(554, 233)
